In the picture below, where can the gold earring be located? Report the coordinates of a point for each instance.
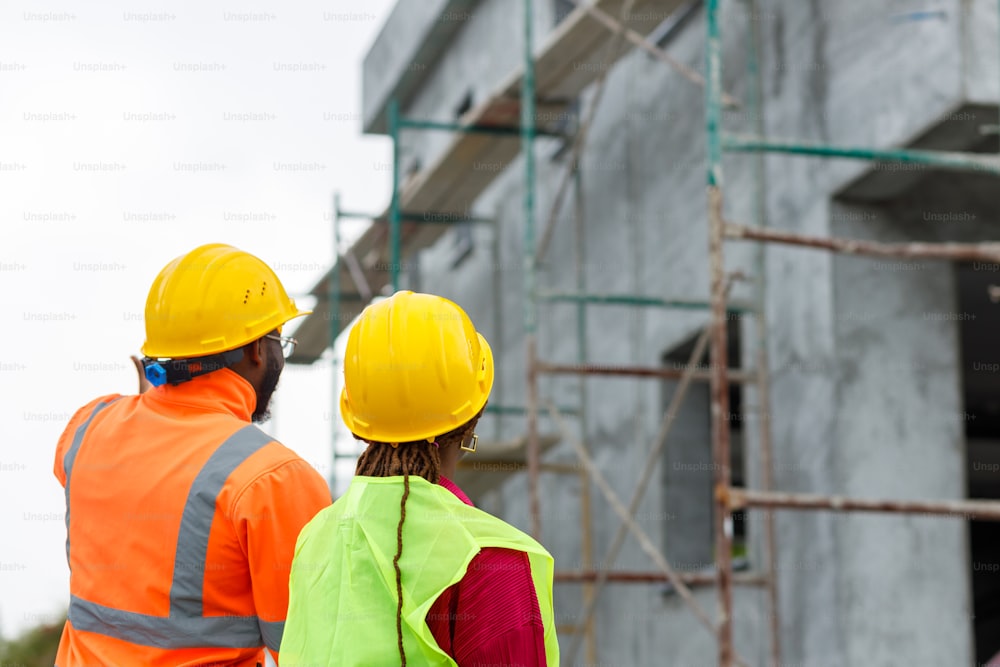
(475, 441)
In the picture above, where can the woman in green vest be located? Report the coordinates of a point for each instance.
(402, 568)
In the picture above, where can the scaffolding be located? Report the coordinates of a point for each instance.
(422, 208)
(420, 211)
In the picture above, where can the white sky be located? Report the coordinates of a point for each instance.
(79, 248)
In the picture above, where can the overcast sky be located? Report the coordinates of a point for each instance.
(131, 133)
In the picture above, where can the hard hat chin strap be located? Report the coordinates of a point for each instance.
(176, 371)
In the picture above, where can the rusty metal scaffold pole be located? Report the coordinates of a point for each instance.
(755, 86)
(530, 274)
(987, 510)
(722, 518)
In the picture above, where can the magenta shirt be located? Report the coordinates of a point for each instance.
(491, 616)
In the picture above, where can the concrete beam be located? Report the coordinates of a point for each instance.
(413, 38)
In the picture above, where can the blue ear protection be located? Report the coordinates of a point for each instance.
(155, 373)
(175, 371)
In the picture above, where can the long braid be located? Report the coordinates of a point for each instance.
(399, 574)
(384, 460)
(421, 458)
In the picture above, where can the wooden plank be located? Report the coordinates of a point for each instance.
(580, 37)
(468, 181)
(434, 192)
(498, 156)
(570, 77)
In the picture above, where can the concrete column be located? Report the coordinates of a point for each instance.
(904, 588)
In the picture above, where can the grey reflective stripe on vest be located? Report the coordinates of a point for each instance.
(164, 631)
(272, 631)
(186, 627)
(199, 511)
(70, 458)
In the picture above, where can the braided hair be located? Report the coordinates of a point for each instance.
(421, 458)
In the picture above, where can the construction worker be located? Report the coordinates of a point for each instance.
(181, 515)
(402, 568)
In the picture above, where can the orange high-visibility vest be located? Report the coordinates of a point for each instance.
(181, 521)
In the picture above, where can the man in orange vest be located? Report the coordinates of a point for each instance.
(181, 515)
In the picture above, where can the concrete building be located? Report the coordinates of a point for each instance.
(884, 373)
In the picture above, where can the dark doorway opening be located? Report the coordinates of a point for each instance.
(688, 466)
(979, 330)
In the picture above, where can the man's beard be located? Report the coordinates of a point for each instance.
(267, 386)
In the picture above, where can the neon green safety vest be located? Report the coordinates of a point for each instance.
(342, 590)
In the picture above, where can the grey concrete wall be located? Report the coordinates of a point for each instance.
(395, 49)
(408, 47)
(853, 590)
(842, 604)
(899, 435)
(982, 50)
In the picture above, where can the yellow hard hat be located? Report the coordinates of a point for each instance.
(415, 368)
(214, 298)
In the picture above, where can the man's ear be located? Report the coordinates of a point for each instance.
(253, 352)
